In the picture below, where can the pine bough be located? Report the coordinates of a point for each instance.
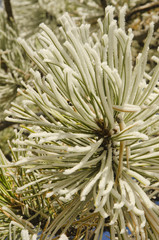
(95, 143)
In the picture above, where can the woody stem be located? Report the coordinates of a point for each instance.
(121, 152)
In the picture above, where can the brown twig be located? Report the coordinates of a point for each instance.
(121, 152)
(103, 3)
(140, 36)
(141, 8)
(8, 9)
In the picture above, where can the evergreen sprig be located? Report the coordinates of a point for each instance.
(93, 148)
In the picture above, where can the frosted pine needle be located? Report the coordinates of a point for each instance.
(93, 139)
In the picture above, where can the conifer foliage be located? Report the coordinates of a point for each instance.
(86, 155)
